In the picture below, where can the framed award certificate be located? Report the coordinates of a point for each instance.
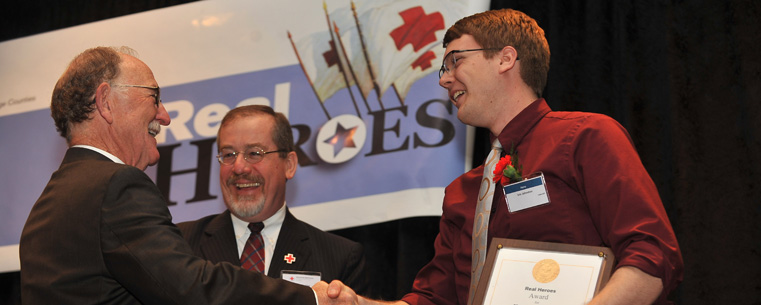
(518, 272)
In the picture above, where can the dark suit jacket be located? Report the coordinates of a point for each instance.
(335, 257)
(101, 233)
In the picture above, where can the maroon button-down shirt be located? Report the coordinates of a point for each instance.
(600, 195)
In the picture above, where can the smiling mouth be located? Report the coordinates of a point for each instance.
(247, 185)
(457, 95)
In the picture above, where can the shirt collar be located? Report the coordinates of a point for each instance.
(522, 124)
(271, 225)
(102, 152)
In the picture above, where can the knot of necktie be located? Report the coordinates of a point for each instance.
(255, 227)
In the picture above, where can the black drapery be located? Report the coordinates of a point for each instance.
(683, 77)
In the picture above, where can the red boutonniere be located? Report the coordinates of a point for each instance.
(507, 170)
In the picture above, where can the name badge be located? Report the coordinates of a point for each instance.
(526, 194)
(306, 278)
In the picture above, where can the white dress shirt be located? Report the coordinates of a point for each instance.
(270, 232)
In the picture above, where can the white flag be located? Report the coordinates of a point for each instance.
(322, 63)
(403, 38)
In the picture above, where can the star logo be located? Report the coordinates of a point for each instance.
(341, 138)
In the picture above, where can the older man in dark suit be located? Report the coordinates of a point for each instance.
(101, 232)
(253, 184)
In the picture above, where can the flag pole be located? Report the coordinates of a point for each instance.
(367, 58)
(340, 63)
(401, 99)
(311, 84)
(351, 69)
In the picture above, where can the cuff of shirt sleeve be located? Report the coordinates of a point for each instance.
(645, 256)
(656, 262)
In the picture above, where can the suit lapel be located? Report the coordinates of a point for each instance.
(218, 241)
(293, 239)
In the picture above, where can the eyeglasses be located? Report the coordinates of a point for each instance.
(448, 65)
(156, 97)
(252, 155)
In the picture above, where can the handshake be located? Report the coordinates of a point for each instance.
(338, 293)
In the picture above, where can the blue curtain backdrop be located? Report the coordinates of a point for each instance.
(683, 77)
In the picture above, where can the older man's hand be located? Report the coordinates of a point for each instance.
(335, 293)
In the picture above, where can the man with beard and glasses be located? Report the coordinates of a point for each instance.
(101, 232)
(257, 157)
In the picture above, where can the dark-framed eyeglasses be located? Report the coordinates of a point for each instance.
(157, 96)
(447, 65)
(252, 155)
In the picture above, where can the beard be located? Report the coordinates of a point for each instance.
(245, 206)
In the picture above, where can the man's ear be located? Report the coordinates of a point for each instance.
(102, 103)
(291, 163)
(507, 58)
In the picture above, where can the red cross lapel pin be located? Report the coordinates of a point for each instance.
(289, 258)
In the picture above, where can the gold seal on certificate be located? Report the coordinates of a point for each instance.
(524, 272)
(546, 270)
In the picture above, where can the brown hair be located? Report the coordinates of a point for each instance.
(507, 27)
(73, 96)
(282, 134)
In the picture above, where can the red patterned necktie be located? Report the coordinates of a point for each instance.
(253, 253)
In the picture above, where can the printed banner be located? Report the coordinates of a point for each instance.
(376, 137)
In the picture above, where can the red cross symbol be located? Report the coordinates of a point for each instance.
(290, 258)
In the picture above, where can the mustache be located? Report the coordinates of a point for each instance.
(252, 178)
(154, 127)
